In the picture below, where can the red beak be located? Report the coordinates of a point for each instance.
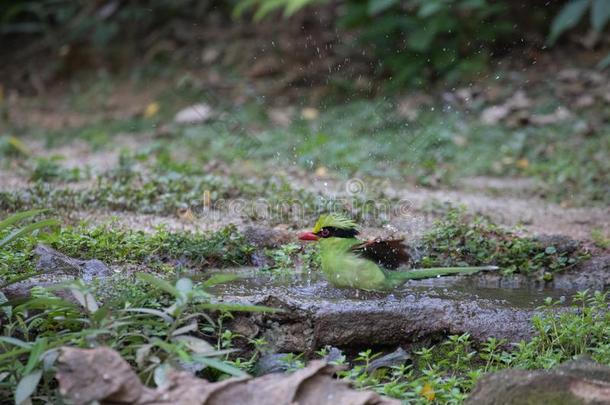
(308, 236)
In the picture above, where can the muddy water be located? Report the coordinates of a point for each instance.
(314, 313)
(489, 290)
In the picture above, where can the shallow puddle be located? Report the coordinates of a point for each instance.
(487, 291)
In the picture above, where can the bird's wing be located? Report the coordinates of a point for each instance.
(390, 254)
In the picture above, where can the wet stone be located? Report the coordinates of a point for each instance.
(52, 261)
(580, 381)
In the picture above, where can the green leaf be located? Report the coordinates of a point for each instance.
(37, 349)
(242, 6)
(159, 283)
(18, 217)
(45, 303)
(13, 354)
(18, 147)
(20, 278)
(160, 375)
(266, 7)
(379, 6)
(196, 345)
(600, 14)
(221, 366)
(219, 279)
(567, 18)
(15, 342)
(295, 5)
(429, 8)
(85, 299)
(150, 311)
(27, 386)
(27, 229)
(184, 286)
(421, 39)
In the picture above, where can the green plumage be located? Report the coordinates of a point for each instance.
(344, 268)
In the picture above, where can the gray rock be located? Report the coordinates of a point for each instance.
(334, 355)
(195, 114)
(575, 382)
(274, 363)
(52, 261)
(562, 243)
(593, 274)
(265, 237)
(396, 358)
(308, 323)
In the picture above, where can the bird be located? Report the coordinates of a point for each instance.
(348, 262)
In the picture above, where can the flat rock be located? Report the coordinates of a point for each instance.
(307, 325)
(580, 381)
(55, 267)
(52, 261)
(316, 314)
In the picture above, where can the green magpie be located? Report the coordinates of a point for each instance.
(349, 262)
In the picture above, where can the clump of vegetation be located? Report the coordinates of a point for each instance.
(49, 169)
(290, 256)
(226, 246)
(459, 239)
(12, 147)
(113, 245)
(11, 234)
(573, 12)
(600, 240)
(448, 371)
(172, 328)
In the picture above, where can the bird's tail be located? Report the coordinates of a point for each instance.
(417, 274)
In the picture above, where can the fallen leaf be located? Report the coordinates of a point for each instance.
(460, 140)
(16, 147)
(151, 110)
(186, 215)
(522, 163)
(101, 375)
(195, 114)
(560, 114)
(310, 113)
(428, 392)
(517, 103)
(281, 116)
(321, 171)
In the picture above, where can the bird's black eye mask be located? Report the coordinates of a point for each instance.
(332, 232)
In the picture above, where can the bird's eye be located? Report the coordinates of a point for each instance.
(324, 233)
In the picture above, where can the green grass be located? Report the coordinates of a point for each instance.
(172, 326)
(601, 241)
(115, 245)
(458, 239)
(369, 139)
(165, 188)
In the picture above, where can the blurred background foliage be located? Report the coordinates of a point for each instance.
(408, 41)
